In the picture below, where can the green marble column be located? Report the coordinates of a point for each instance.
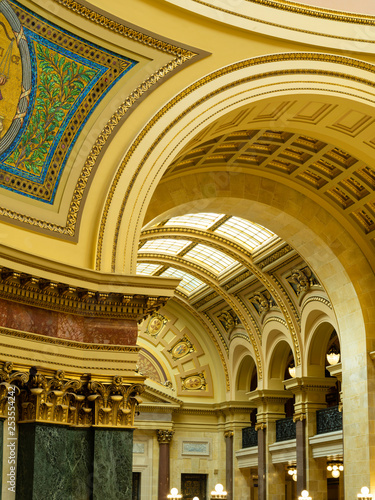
(113, 455)
(54, 462)
(1, 454)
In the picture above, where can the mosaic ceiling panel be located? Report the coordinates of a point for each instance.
(50, 83)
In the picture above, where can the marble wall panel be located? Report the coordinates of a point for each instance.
(67, 326)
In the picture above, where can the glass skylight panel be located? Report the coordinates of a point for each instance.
(188, 282)
(244, 232)
(147, 269)
(197, 221)
(168, 246)
(208, 256)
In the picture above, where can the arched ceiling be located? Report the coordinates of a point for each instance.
(235, 275)
(338, 177)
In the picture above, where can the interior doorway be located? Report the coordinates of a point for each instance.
(194, 485)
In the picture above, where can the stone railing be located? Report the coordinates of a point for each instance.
(328, 420)
(285, 429)
(249, 437)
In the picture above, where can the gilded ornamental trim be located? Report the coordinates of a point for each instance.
(58, 399)
(164, 436)
(39, 292)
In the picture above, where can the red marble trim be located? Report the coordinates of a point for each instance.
(67, 326)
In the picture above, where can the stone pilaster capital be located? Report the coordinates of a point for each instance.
(336, 371)
(299, 417)
(309, 384)
(228, 434)
(266, 397)
(260, 426)
(164, 435)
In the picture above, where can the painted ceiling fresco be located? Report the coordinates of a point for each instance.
(50, 83)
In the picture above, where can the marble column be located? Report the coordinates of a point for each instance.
(164, 439)
(1, 454)
(229, 463)
(301, 453)
(262, 464)
(54, 458)
(112, 465)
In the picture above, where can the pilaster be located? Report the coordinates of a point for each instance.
(310, 395)
(271, 477)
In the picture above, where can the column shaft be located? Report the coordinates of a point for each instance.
(164, 437)
(301, 455)
(262, 486)
(229, 464)
(54, 458)
(113, 458)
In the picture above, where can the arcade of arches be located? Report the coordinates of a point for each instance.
(187, 252)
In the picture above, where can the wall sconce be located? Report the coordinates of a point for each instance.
(333, 356)
(292, 370)
(219, 492)
(335, 467)
(292, 471)
(195, 498)
(174, 494)
(365, 493)
(304, 495)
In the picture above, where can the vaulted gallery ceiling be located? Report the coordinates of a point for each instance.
(130, 152)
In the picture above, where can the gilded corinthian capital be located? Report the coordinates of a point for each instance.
(45, 396)
(164, 436)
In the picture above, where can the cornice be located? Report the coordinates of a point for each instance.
(125, 29)
(46, 294)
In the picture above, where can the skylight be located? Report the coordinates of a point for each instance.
(244, 232)
(147, 269)
(197, 221)
(168, 246)
(209, 257)
(188, 283)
